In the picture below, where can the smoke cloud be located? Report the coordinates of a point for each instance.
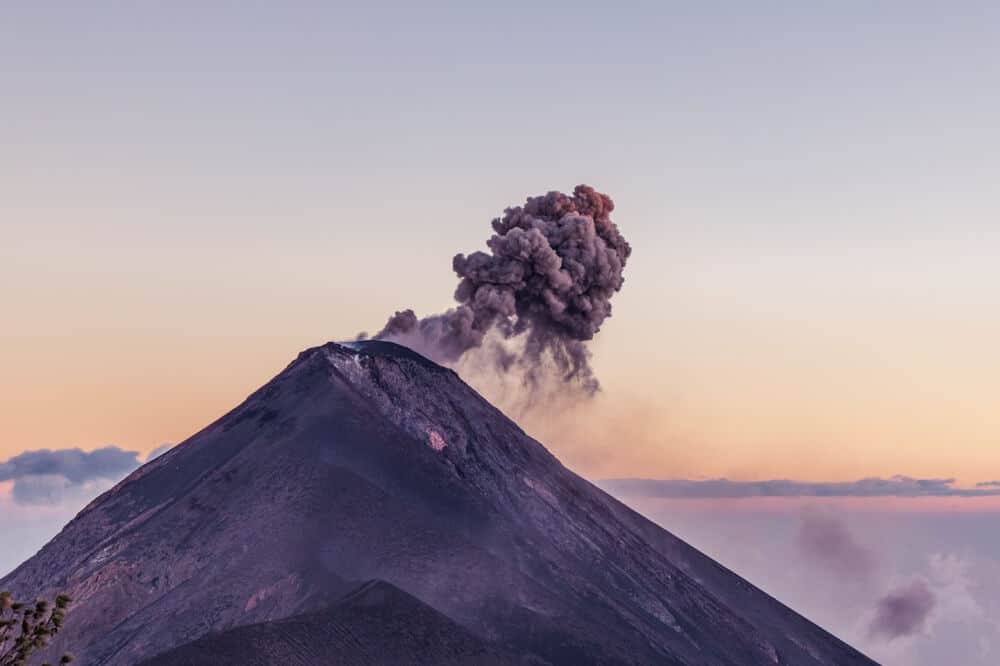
(904, 611)
(825, 540)
(533, 301)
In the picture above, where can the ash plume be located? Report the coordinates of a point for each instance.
(825, 540)
(904, 611)
(540, 293)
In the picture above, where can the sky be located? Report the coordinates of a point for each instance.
(191, 195)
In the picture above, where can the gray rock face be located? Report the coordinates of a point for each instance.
(366, 461)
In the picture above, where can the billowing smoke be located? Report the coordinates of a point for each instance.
(537, 297)
(826, 541)
(904, 611)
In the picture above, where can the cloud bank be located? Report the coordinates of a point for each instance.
(956, 555)
(896, 486)
(159, 451)
(46, 476)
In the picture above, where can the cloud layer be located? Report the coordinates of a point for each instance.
(45, 476)
(159, 451)
(896, 486)
(956, 554)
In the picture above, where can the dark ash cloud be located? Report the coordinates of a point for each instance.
(545, 286)
(896, 486)
(825, 540)
(44, 476)
(903, 612)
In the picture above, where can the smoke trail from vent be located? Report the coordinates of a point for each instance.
(534, 300)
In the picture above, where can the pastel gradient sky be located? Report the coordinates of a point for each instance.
(189, 196)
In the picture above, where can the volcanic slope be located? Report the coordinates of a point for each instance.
(376, 624)
(366, 461)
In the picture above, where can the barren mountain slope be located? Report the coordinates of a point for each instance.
(366, 461)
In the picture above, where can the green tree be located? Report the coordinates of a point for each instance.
(25, 628)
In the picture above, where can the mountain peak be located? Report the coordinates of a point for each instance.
(365, 461)
(335, 351)
(388, 349)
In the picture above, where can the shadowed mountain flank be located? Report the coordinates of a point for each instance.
(376, 624)
(366, 461)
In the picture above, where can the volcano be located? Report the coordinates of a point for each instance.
(365, 469)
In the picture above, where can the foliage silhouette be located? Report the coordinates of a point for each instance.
(26, 628)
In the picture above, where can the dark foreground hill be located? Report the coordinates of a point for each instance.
(366, 461)
(376, 624)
